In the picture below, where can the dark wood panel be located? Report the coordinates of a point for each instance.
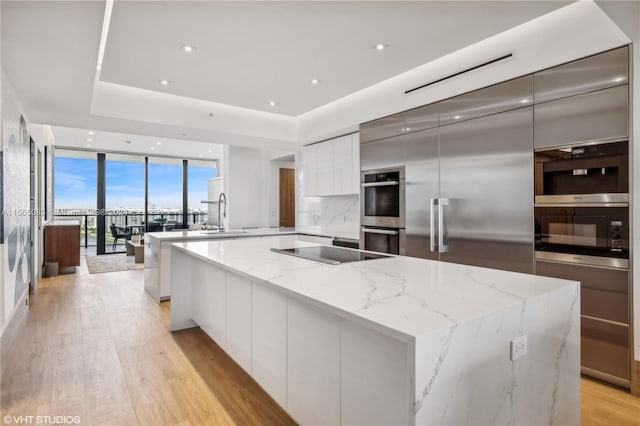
(62, 245)
(287, 198)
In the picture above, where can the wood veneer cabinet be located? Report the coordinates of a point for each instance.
(62, 243)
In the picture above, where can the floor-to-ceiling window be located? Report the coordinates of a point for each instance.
(198, 179)
(165, 193)
(124, 199)
(75, 183)
(121, 195)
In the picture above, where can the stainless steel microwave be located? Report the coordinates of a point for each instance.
(382, 197)
(596, 173)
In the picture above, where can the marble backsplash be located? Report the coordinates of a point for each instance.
(335, 216)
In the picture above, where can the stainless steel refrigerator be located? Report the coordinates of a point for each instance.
(469, 183)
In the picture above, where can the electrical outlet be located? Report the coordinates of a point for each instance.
(518, 347)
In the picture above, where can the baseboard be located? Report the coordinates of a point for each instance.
(19, 308)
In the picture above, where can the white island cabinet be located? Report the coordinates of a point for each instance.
(388, 341)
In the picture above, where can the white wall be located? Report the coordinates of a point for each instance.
(627, 16)
(12, 285)
(17, 191)
(274, 189)
(246, 183)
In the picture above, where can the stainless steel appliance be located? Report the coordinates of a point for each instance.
(383, 240)
(469, 191)
(329, 254)
(587, 235)
(383, 197)
(597, 173)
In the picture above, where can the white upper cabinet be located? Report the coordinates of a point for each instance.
(332, 167)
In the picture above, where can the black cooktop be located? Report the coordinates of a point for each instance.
(329, 254)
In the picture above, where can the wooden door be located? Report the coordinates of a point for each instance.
(287, 198)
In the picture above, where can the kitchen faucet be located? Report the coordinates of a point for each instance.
(220, 199)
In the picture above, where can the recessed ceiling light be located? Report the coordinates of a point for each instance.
(315, 81)
(152, 149)
(165, 82)
(272, 104)
(89, 140)
(457, 117)
(158, 143)
(88, 144)
(91, 132)
(187, 48)
(380, 46)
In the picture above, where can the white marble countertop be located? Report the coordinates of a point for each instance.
(403, 296)
(213, 234)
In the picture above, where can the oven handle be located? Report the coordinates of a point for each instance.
(380, 231)
(442, 226)
(385, 183)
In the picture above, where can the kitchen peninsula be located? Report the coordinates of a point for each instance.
(157, 254)
(396, 340)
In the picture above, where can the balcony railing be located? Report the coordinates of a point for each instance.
(133, 222)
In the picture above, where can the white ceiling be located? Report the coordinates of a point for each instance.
(101, 141)
(248, 53)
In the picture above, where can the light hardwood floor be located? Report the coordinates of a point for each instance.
(96, 346)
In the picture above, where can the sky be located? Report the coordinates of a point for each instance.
(75, 184)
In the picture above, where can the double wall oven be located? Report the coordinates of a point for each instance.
(582, 233)
(383, 210)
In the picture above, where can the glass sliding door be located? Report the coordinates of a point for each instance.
(75, 183)
(124, 200)
(164, 209)
(198, 179)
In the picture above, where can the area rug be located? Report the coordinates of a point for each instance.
(111, 263)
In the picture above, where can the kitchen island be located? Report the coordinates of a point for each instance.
(157, 253)
(396, 341)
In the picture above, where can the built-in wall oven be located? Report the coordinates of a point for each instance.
(582, 233)
(582, 204)
(382, 210)
(589, 235)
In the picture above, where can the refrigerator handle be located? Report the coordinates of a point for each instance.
(442, 226)
(432, 224)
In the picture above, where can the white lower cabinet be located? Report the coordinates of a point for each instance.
(208, 296)
(238, 309)
(313, 364)
(322, 369)
(375, 384)
(218, 303)
(269, 341)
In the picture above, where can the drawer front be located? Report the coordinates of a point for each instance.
(592, 116)
(584, 75)
(605, 347)
(604, 292)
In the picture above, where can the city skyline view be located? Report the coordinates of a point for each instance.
(75, 184)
